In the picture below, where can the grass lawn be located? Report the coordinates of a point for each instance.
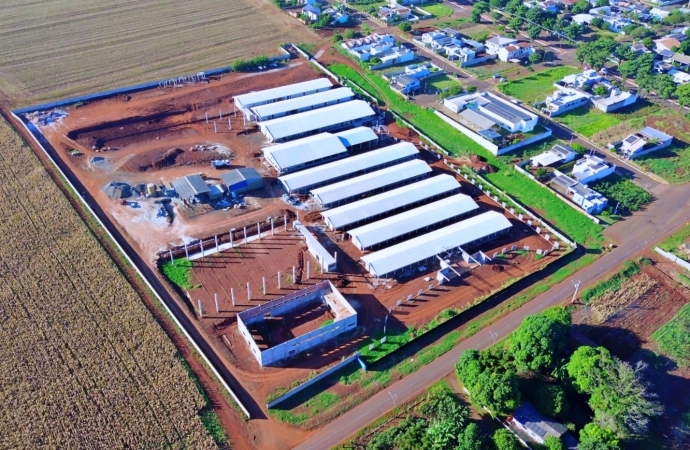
(587, 121)
(440, 82)
(536, 87)
(437, 9)
(180, 273)
(671, 243)
(623, 191)
(368, 7)
(674, 337)
(562, 216)
(486, 70)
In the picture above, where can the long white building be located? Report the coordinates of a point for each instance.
(300, 104)
(390, 202)
(343, 169)
(245, 102)
(413, 221)
(343, 115)
(314, 150)
(423, 249)
(370, 183)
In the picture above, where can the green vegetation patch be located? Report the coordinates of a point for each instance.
(587, 121)
(179, 273)
(536, 87)
(440, 82)
(437, 9)
(486, 70)
(674, 241)
(674, 337)
(623, 191)
(612, 284)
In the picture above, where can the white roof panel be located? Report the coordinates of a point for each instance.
(378, 204)
(368, 182)
(420, 248)
(316, 119)
(268, 95)
(305, 150)
(305, 101)
(343, 167)
(356, 136)
(412, 220)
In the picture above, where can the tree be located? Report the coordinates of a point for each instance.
(665, 86)
(505, 440)
(444, 404)
(442, 434)
(600, 89)
(352, 34)
(592, 436)
(405, 27)
(337, 37)
(628, 68)
(498, 391)
(515, 23)
(586, 365)
(478, 9)
(595, 53)
(601, 3)
(475, 16)
(550, 400)
(539, 343)
(573, 31)
(648, 42)
(471, 438)
(553, 443)
(535, 57)
(541, 173)
(533, 31)
(513, 6)
(598, 22)
(683, 93)
(260, 61)
(582, 6)
(624, 52)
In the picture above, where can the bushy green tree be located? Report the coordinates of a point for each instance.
(471, 438)
(498, 391)
(683, 93)
(595, 53)
(582, 6)
(444, 404)
(664, 86)
(550, 400)
(593, 437)
(573, 31)
(539, 343)
(533, 30)
(553, 443)
(505, 440)
(405, 27)
(600, 90)
(442, 434)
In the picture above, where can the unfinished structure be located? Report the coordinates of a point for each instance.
(269, 329)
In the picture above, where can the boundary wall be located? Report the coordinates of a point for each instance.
(312, 381)
(326, 260)
(671, 257)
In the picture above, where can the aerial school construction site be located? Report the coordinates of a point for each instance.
(298, 224)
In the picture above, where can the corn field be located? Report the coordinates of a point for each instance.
(55, 49)
(83, 364)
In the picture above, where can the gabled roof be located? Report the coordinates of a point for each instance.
(190, 186)
(238, 175)
(501, 40)
(267, 95)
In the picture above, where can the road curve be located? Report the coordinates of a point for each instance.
(658, 220)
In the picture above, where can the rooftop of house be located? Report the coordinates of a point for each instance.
(500, 40)
(669, 43)
(589, 165)
(528, 417)
(563, 96)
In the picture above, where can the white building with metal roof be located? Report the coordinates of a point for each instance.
(300, 104)
(371, 183)
(413, 221)
(314, 150)
(246, 101)
(423, 249)
(390, 202)
(350, 114)
(315, 177)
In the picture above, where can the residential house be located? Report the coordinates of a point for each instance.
(337, 17)
(396, 55)
(592, 168)
(679, 77)
(410, 2)
(405, 84)
(575, 90)
(487, 110)
(551, 6)
(666, 44)
(680, 59)
(639, 49)
(658, 14)
(515, 52)
(312, 13)
(558, 155)
(582, 19)
(614, 100)
(538, 427)
(588, 199)
(395, 13)
(565, 99)
(366, 47)
(645, 141)
(497, 42)
(616, 23)
(451, 33)
(433, 36)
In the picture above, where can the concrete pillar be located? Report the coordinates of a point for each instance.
(308, 269)
(263, 284)
(206, 118)
(294, 280)
(216, 243)
(258, 229)
(279, 287)
(215, 300)
(201, 243)
(245, 235)
(272, 232)
(200, 311)
(172, 261)
(231, 233)
(285, 221)
(232, 296)
(249, 292)
(186, 252)
(220, 114)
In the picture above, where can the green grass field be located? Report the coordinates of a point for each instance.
(619, 189)
(587, 121)
(536, 87)
(671, 243)
(180, 273)
(440, 82)
(674, 337)
(437, 9)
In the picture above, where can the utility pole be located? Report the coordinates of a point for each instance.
(577, 285)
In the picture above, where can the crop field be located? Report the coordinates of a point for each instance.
(82, 361)
(52, 50)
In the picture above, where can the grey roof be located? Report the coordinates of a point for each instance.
(563, 150)
(564, 181)
(412, 220)
(405, 80)
(305, 101)
(368, 182)
(343, 167)
(191, 185)
(316, 119)
(314, 245)
(268, 95)
(406, 253)
(528, 416)
(355, 136)
(480, 120)
(681, 58)
(388, 201)
(238, 175)
(305, 150)
(654, 133)
(507, 112)
(501, 40)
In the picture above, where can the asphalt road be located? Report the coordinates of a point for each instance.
(641, 231)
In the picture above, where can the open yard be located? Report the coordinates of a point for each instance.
(536, 87)
(82, 359)
(437, 9)
(439, 82)
(52, 50)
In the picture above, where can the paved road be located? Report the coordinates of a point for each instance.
(641, 231)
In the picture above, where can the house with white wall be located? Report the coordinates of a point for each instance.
(488, 108)
(645, 141)
(592, 168)
(517, 51)
(496, 43)
(374, 45)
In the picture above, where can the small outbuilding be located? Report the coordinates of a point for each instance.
(191, 186)
(242, 180)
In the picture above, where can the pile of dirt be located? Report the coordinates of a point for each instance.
(159, 159)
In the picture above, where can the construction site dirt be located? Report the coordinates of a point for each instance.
(159, 135)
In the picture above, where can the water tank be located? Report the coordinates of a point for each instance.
(150, 189)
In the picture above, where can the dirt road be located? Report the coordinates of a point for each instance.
(641, 231)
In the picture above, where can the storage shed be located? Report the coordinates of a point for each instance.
(191, 186)
(242, 180)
